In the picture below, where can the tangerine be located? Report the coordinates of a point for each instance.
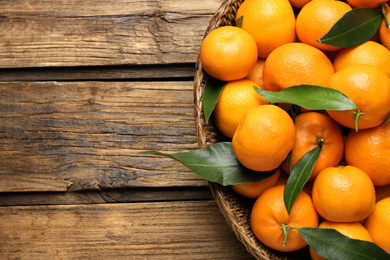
(314, 129)
(316, 18)
(269, 215)
(236, 98)
(369, 150)
(337, 194)
(378, 223)
(365, 3)
(295, 64)
(369, 88)
(368, 53)
(256, 74)
(228, 53)
(263, 138)
(264, 19)
(299, 3)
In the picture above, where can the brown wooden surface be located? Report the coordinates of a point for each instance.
(59, 136)
(166, 230)
(84, 87)
(99, 32)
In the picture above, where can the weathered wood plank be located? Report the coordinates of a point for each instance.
(172, 230)
(97, 32)
(58, 136)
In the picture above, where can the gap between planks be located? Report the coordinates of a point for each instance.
(183, 72)
(134, 195)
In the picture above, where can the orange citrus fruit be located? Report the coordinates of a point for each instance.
(384, 31)
(228, 53)
(316, 18)
(369, 150)
(365, 3)
(343, 194)
(354, 230)
(270, 22)
(299, 3)
(235, 100)
(253, 190)
(295, 64)
(269, 214)
(369, 88)
(256, 74)
(378, 224)
(264, 138)
(368, 53)
(314, 129)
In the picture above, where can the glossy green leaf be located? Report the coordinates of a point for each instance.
(311, 97)
(239, 21)
(211, 92)
(217, 163)
(333, 245)
(299, 176)
(354, 28)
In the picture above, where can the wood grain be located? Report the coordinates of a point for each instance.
(171, 230)
(58, 136)
(96, 32)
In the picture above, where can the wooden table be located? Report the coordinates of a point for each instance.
(84, 87)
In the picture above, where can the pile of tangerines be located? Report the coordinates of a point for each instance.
(274, 48)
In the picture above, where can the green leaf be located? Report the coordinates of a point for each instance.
(354, 28)
(211, 92)
(311, 97)
(239, 21)
(217, 163)
(299, 176)
(331, 244)
(387, 120)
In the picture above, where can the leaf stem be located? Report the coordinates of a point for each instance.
(384, 15)
(320, 141)
(285, 229)
(358, 113)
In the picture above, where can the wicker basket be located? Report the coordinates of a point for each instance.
(235, 208)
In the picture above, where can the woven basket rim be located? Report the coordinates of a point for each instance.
(228, 202)
(252, 244)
